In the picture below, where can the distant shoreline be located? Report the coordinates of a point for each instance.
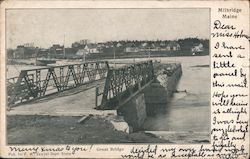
(102, 57)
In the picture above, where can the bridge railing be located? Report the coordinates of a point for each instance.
(122, 83)
(35, 83)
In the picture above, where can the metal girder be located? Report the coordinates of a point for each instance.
(34, 83)
(123, 83)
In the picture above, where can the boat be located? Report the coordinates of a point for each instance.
(45, 61)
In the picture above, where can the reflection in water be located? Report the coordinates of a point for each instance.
(187, 111)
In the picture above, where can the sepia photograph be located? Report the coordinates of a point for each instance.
(107, 76)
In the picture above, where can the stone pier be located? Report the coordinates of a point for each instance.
(160, 92)
(134, 111)
(153, 98)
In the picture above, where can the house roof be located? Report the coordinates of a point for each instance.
(144, 44)
(197, 44)
(42, 49)
(91, 46)
(173, 43)
(130, 45)
(162, 43)
(118, 44)
(109, 44)
(80, 52)
(56, 45)
(151, 45)
(157, 45)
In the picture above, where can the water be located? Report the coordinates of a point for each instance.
(14, 70)
(187, 111)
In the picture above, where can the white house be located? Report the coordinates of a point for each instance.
(197, 48)
(130, 47)
(81, 52)
(174, 46)
(91, 48)
(119, 45)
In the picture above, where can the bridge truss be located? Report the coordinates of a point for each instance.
(123, 83)
(36, 83)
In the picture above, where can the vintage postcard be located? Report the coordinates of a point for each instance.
(124, 79)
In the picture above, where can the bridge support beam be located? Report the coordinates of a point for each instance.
(134, 111)
(154, 87)
(156, 98)
(161, 90)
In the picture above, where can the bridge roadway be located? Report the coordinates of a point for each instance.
(74, 102)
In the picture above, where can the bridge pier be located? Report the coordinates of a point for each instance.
(134, 111)
(153, 98)
(156, 98)
(160, 91)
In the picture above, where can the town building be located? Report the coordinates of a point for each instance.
(131, 47)
(81, 52)
(91, 48)
(173, 46)
(197, 48)
(24, 51)
(56, 51)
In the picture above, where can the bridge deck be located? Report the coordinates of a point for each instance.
(76, 102)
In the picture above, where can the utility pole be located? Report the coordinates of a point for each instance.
(84, 57)
(36, 51)
(149, 52)
(114, 55)
(64, 46)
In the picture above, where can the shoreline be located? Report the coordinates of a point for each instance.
(35, 129)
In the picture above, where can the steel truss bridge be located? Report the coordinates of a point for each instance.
(120, 86)
(124, 83)
(36, 83)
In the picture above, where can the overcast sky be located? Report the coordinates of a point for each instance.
(45, 27)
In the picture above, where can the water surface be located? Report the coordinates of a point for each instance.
(187, 111)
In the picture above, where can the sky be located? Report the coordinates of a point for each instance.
(45, 27)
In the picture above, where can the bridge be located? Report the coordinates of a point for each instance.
(118, 85)
(124, 83)
(131, 90)
(36, 83)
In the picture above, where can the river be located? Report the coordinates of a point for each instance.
(187, 111)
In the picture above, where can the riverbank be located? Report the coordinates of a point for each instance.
(37, 129)
(40, 130)
(100, 56)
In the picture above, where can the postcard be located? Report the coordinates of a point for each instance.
(124, 79)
